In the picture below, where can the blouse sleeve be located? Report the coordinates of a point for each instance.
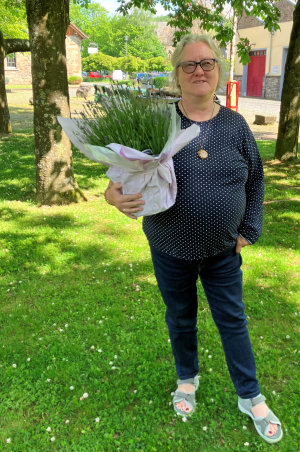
(251, 225)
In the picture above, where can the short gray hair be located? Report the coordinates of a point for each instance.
(191, 39)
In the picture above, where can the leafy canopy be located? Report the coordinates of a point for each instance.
(109, 32)
(182, 13)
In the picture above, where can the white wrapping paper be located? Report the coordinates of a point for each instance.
(151, 175)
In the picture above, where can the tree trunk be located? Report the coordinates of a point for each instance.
(288, 131)
(5, 124)
(8, 46)
(47, 22)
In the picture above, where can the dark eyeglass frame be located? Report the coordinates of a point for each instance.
(196, 63)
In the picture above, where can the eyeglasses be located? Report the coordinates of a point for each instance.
(189, 67)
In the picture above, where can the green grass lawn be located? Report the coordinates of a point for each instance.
(85, 360)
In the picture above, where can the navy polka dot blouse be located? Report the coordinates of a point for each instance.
(218, 197)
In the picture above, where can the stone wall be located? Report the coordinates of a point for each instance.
(20, 75)
(272, 87)
(73, 45)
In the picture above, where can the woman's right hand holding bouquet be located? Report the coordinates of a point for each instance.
(127, 204)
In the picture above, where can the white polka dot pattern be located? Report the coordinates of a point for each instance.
(218, 197)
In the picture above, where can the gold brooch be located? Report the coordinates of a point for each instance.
(202, 154)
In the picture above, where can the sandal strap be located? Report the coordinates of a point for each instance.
(257, 400)
(264, 423)
(179, 396)
(193, 381)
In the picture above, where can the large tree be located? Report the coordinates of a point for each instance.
(47, 23)
(288, 133)
(12, 25)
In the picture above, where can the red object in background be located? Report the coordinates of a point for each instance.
(232, 95)
(94, 75)
(256, 73)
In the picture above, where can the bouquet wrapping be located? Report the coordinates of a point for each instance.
(151, 175)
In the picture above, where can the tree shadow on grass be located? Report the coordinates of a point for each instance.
(17, 163)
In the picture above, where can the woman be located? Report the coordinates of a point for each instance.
(218, 211)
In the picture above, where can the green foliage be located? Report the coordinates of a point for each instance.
(183, 13)
(109, 32)
(13, 24)
(80, 312)
(159, 64)
(99, 62)
(122, 117)
(243, 49)
(130, 64)
(74, 80)
(160, 82)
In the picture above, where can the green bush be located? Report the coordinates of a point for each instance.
(74, 80)
(160, 82)
(125, 82)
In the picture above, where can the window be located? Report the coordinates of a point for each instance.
(11, 61)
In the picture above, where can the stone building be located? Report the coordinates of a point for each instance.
(263, 76)
(18, 65)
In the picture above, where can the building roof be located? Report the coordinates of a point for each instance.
(73, 30)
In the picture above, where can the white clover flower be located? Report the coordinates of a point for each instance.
(113, 367)
(48, 380)
(14, 366)
(210, 370)
(8, 440)
(244, 427)
(28, 359)
(66, 325)
(52, 439)
(92, 347)
(246, 444)
(204, 428)
(67, 421)
(100, 321)
(116, 356)
(150, 402)
(48, 429)
(85, 395)
(274, 392)
(209, 356)
(99, 350)
(184, 419)
(97, 419)
(111, 363)
(71, 388)
(287, 336)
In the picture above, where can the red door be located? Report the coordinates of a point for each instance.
(256, 73)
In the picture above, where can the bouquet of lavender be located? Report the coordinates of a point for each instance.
(137, 137)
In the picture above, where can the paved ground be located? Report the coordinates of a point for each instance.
(249, 107)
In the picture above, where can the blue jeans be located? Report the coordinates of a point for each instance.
(221, 278)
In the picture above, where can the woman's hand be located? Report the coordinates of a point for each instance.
(127, 204)
(240, 243)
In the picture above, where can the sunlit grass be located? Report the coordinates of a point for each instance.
(80, 313)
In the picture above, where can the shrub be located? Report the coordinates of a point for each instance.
(159, 82)
(74, 80)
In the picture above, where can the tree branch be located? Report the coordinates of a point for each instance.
(16, 45)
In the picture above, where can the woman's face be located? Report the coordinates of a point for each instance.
(199, 83)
